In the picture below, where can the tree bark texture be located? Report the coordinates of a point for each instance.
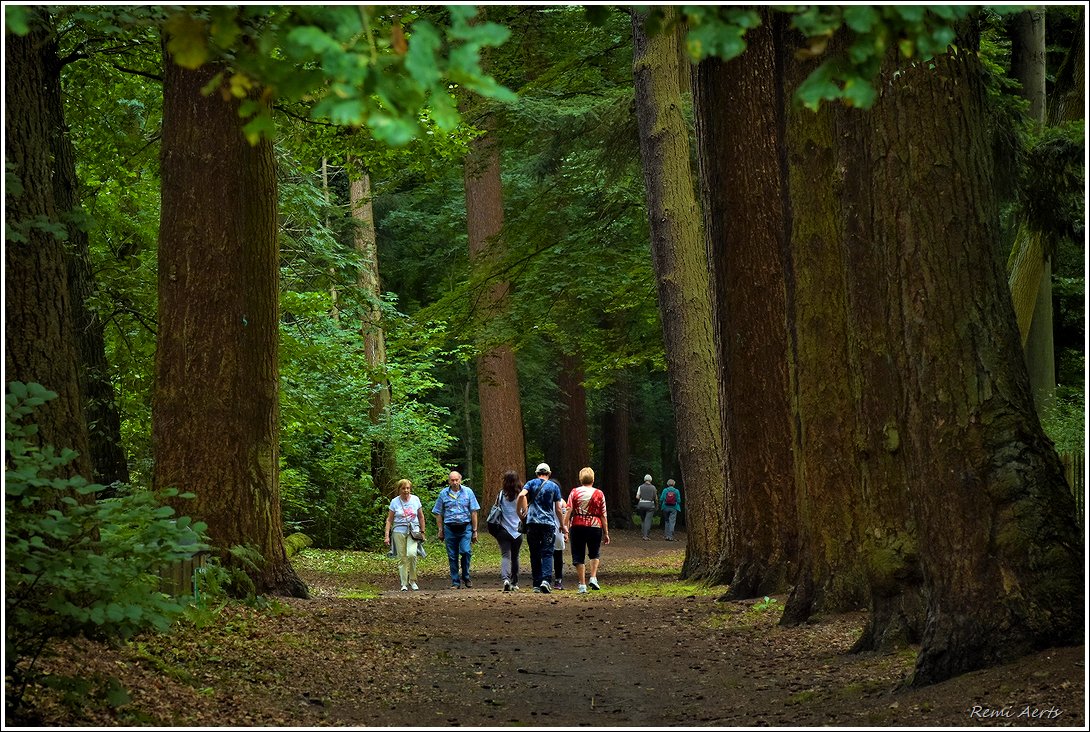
(1000, 550)
(573, 438)
(383, 454)
(681, 275)
(1069, 94)
(215, 410)
(107, 456)
(739, 122)
(502, 442)
(1028, 68)
(39, 329)
(616, 483)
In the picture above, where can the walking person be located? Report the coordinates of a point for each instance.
(646, 503)
(508, 537)
(588, 529)
(539, 505)
(670, 501)
(405, 527)
(456, 518)
(559, 544)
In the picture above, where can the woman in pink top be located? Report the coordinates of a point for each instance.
(588, 527)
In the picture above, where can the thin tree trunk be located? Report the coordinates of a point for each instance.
(383, 454)
(497, 377)
(107, 457)
(39, 341)
(738, 110)
(1028, 68)
(215, 411)
(684, 294)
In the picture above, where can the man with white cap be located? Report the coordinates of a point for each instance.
(539, 505)
(646, 503)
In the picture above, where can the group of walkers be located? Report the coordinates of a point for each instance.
(648, 501)
(536, 511)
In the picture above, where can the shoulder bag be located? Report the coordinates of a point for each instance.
(495, 517)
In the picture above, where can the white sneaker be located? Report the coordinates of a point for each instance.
(404, 588)
(514, 588)
(506, 585)
(414, 586)
(582, 589)
(593, 582)
(546, 587)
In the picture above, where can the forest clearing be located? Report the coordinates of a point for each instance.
(648, 650)
(286, 285)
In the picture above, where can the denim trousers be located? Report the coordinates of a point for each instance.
(671, 519)
(540, 538)
(509, 556)
(459, 545)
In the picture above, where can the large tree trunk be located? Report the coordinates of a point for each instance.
(1001, 552)
(108, 461)
(383, 454)
(1069, 93)
(615, 483)
(573, 448)
(215, 410)
(739, 121)
(681, 275)
(497, 379)
(39, 340)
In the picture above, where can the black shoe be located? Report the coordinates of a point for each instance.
(467, 584)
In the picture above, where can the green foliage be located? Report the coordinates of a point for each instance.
(1052, 191)
(1065, 421)
(766, 605)
(75, 565)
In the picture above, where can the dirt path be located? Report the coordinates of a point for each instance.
(618, 657)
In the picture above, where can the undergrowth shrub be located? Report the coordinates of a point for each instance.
(76, 566)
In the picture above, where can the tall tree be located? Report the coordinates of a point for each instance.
(497, 378)
(615, 483)
(1005, 577)
(383, 455)
(683, 285)
(1028, 68)
(215, 409)
(107, 457)
(739, 120)
(573, 448)
(39, 342)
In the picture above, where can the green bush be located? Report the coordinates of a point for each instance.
(75, 565)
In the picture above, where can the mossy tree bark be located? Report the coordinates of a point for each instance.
(39, 333)
(573, 438)
(616, 456)
(383, 453)
(215, 410)
(1000, 550)
(502, 441)
(108, 461)
(739, 120)
(683, 284)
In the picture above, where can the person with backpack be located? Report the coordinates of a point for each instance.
(670, 501)
(539, 506)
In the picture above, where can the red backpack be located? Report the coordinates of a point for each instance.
(671, 497)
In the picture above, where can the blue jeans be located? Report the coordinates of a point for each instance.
(540, 539)
(671, 519)
(459, 541)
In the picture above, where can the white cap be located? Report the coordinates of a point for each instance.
(647, 479)
(542, 468)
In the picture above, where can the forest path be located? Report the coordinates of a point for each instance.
(647, 650)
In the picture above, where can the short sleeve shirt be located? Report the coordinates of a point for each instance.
(542, 501)
(406, 513)
(455, 508)
(588, 506)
